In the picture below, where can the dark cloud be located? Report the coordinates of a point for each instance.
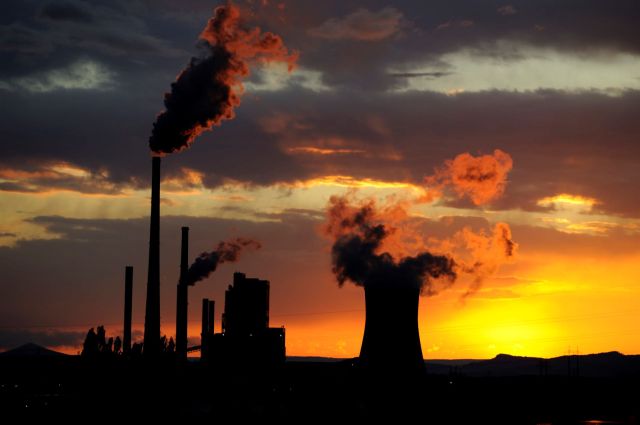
(435, 74)
(507, 10)
(12, 338)
(42, 36)
(361, 25)
(437, 27)
(64, 11)
(584, 142)
(17, 38)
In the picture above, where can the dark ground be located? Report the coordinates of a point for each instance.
(71, 389)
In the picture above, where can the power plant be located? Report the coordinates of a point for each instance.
(391, 340)
(245, 324)
(246, 338)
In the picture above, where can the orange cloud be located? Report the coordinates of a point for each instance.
(56, 177)
(480, 178)
(322, 151)
(568, 199)
(188, 182)
(353, 182)
(361, 25)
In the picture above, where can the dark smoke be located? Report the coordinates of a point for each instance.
(196, 98)
(355, 254)
(225, 252)
(209, 88)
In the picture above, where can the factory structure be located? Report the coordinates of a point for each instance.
(390, 343)
(245, 337)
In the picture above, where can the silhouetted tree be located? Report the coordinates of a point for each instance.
(90, 348)
(97, 346)
(171, 347)
(136, 349)
(102, 338)
(163, 343)
(117, 345)
(108, 348)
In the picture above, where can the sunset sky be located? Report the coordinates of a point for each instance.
(383, 95)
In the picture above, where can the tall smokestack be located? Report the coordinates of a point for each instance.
(152, 312)
(128, 297)
(182, 307)
(391, 339)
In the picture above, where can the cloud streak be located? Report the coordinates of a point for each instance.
(81, 75)
(361, 25)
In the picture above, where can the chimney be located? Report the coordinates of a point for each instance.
(182, 306)
(205, 316)
(152, 312)
(210, 320)
(391, 341)
(128, 296)
(205, 328)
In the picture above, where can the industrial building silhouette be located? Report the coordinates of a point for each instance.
(391, 341)
(246, 338)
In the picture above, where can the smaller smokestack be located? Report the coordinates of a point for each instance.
(205, 316)
(128, 297)
(205, 328)
(210, 320)
(182, 303)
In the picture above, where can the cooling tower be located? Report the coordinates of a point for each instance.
(391, 339)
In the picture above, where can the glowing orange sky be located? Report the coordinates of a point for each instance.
(397, 104)
(550, 300)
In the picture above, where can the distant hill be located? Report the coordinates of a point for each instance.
(611, 364)
(312, 359)
(31, 350)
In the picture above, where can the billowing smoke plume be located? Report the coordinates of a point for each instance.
(480, 254)
(225, 252)
(209, 88)
(481, 178)
(357, 253)
(385, 245)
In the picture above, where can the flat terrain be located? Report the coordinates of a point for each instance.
(70, 388)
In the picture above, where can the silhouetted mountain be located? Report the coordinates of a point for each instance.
(31, 350)
(610, 364)
(314, 359)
